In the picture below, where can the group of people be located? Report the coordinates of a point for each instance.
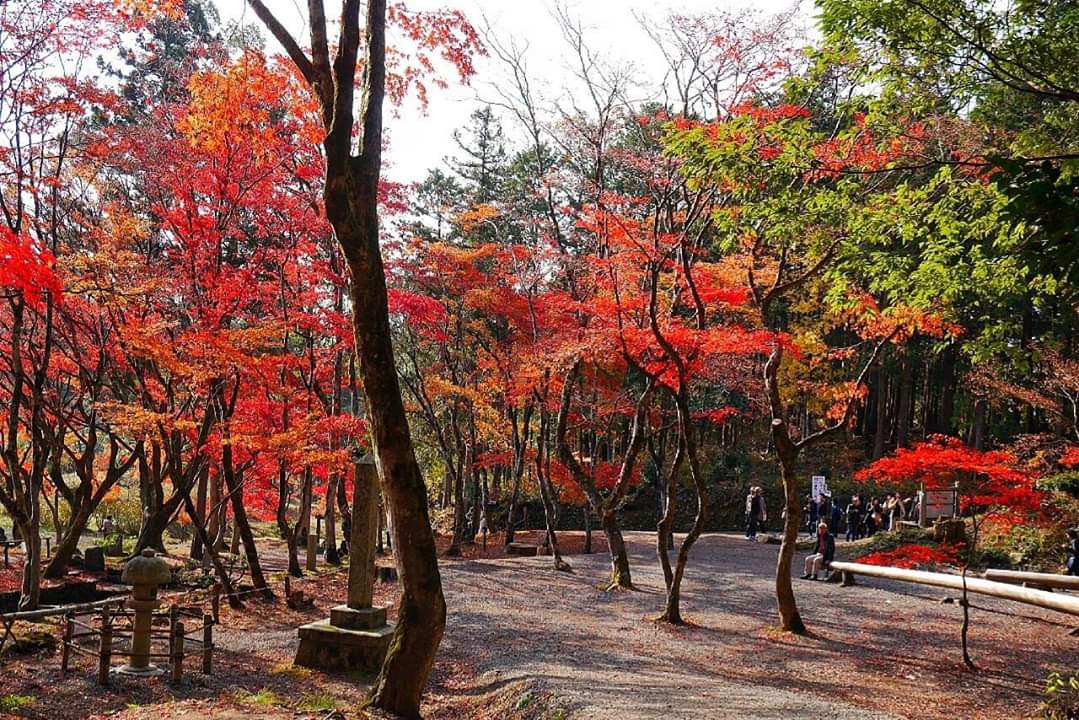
(756, 512)
(862, 517)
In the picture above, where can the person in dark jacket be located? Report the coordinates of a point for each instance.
(825, 552)
(756, 512)
(855, 513)
(835, 518)
(809, 514)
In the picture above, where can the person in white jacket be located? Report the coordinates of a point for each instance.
(756, 512)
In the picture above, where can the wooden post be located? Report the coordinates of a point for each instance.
(288, 589)
(69, 632)
(207, 644)
(923, 512)
(1061, 602)
(215, 601)
(104, 655)
(177, 667)
(6, 548)
(48, 546)
(1064, 582)
(174, 617)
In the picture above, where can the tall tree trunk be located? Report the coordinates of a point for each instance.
(672, 611)
(946, 409)
(477, 505)
(30, 595)
(904, 402)
(329, 520)
(787, 455)
(520, 448)
(458, 515)
(200, 504)
(65, 549)
(216, 522)
(978, 432)
(587, 530)
(790, 618)
(287, 531)
(243, 527)
(155, 513)
(616, 543)
(606, 508)
(351, 203)
(152, 532)
(880, 429)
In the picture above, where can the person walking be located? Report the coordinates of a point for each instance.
(896, 509)
(874, 517)
(756, 512)
(484, 529)
(824, 552)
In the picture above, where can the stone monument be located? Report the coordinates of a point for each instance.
(356, 635)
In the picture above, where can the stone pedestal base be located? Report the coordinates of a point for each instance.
(343, 616)
(351, 640)
(148, 671)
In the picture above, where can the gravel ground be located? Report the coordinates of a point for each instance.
(525, 642)
(878, 650)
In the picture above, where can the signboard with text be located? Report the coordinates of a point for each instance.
(939, 503)
(819, 484)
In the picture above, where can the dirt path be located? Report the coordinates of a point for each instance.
(525, 642)
(876, 651)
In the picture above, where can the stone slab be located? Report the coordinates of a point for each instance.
(94, 559)
(325, 647)
(522, 550)
(343, 616)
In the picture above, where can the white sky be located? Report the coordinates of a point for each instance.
(419, 141)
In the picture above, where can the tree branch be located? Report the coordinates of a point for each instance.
(303, 63)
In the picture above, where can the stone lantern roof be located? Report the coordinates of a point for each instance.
(146, 569)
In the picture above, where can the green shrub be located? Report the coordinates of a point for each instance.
(885, 541)
(1038, 549)
(318, 701)
(1061, 697)
(64, 511)
(11, 703)
(262, 698)
(125, 507)
(1067, 482)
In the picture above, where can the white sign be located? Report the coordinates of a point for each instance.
(939, 503)
(820, 485)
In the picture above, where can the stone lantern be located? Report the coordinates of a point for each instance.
(144, 573)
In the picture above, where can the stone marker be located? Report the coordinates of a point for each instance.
(312, 552)
(356, 636)
(93, 559)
